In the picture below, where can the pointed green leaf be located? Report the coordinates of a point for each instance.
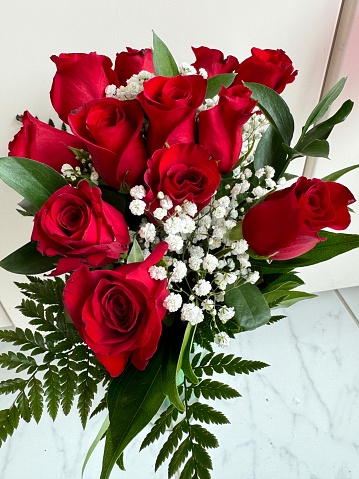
(251, 309)
(97, 439)
(274, 108)
(184, 360)
(135, 255)
(28, 260)
(335, 176)
(163, 61)
(133, 399)
(34, 181)
(170, 370)
(270, 152)
(325, 103)
(216, 82)
(317, 149)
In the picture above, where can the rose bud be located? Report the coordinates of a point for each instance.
(213, 61)
(132, 62)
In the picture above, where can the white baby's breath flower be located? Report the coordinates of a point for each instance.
(160, 213)
(94, 177)
(269, 171)
(66, 170)
(202, 288)
(196, 251)
(174, 242)
(173, 225)
(282, 181)
(188, 224)
(137, 207)
(253, 277)
(258, 191)
(270, 183)
(210, 262)
(148, 232)
(191, 313)
(195, 263)
(160, 195)
(225, 314)
(111, 90)
(173, 302)
(222, 339)
(179, 272)
(239, 247)
(203, 73)
(186, 69)
(166, 202)
(208, 305)
(138, 192)
(260, 172)
(157, 272)
(189, 208)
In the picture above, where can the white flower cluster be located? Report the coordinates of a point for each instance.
(73, 175)
(187, 69)
(134, 86)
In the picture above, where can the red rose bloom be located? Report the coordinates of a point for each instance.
(111, 130)
(80, 77)
(119, 313)
(44, 143)
(132, 62)
(171, 104)
(286, 224)
(77, 224)
(272, 68)
(220, 127)
(213, 61)
(183, 172)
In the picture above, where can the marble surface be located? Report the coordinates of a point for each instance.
(297, 419)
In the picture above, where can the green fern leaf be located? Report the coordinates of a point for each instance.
(52, 390)
(201, 456)
(202, 473)
(188, 470)
(12, 385)
(160, 426)
(36, 398)
(18, 361)
(207, 414)
(24, 407)
(68, 383)
(9, 420)
(274, 319)
(214, 390)
(87, 388)
(102, 405)
(203, 436)
(171, 443)
(179, 457)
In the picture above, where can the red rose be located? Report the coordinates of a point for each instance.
(220, 127)
(80, 77)
(213, 61)
(44, 143)
(111, 130)
(119, 313)
(132, 62)
(77, 224)
(171, 104)
(183, 172)
(286, 224)
(272, 68)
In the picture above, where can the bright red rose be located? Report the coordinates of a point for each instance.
(77, 224)
(213, 61)
(220, 127)
(111, 130)
(132, 62)
(272, 68)
(286, 224)
(183, 172)
(80, 77)
(171, 104)
(119, 313)
(44, 143)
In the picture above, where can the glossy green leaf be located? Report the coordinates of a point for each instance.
(251, 309)
(34, 181)
(216, 82)
(134, 398)
(317, 149)
(28, 260)
(325, 103)
(163, 61)
(275, 109)
(337, 174)
(171, 353)
(97, 439)
(135, 255)
(270, 152)
(184, 360)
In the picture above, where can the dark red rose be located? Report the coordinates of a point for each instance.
(80, 77)
(132, 62)
(220, 127)
(44, 143)
(213, 61)
(272, 68)
(171, 104)
(77, 224)
(111, 130)
(119, 313)
(286, 224)
(183, 172)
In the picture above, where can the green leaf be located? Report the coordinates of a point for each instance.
(179, 457)
(24, 407)
(171, 444)
(335, 176)
(275, 319)
(163, 61)
(27, 208)
(36, 398)
(184, 360)
(34, 181)
(10, 386)
(163, 423)
(251, 309)
(28, 260)
(170, 370)
(52, 390)
(203, 436)
(210, 389)
(270, 152)
(215, 83)
(97, 439)
(324, 104)
(133, 399)
(295, 296)
(135, 255)
(274, 108)
(87, 389)
(317, 149)
(283, 298)
(205, 413)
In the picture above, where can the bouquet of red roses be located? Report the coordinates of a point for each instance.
(166, 223)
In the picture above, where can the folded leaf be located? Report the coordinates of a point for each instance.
(28, 260)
